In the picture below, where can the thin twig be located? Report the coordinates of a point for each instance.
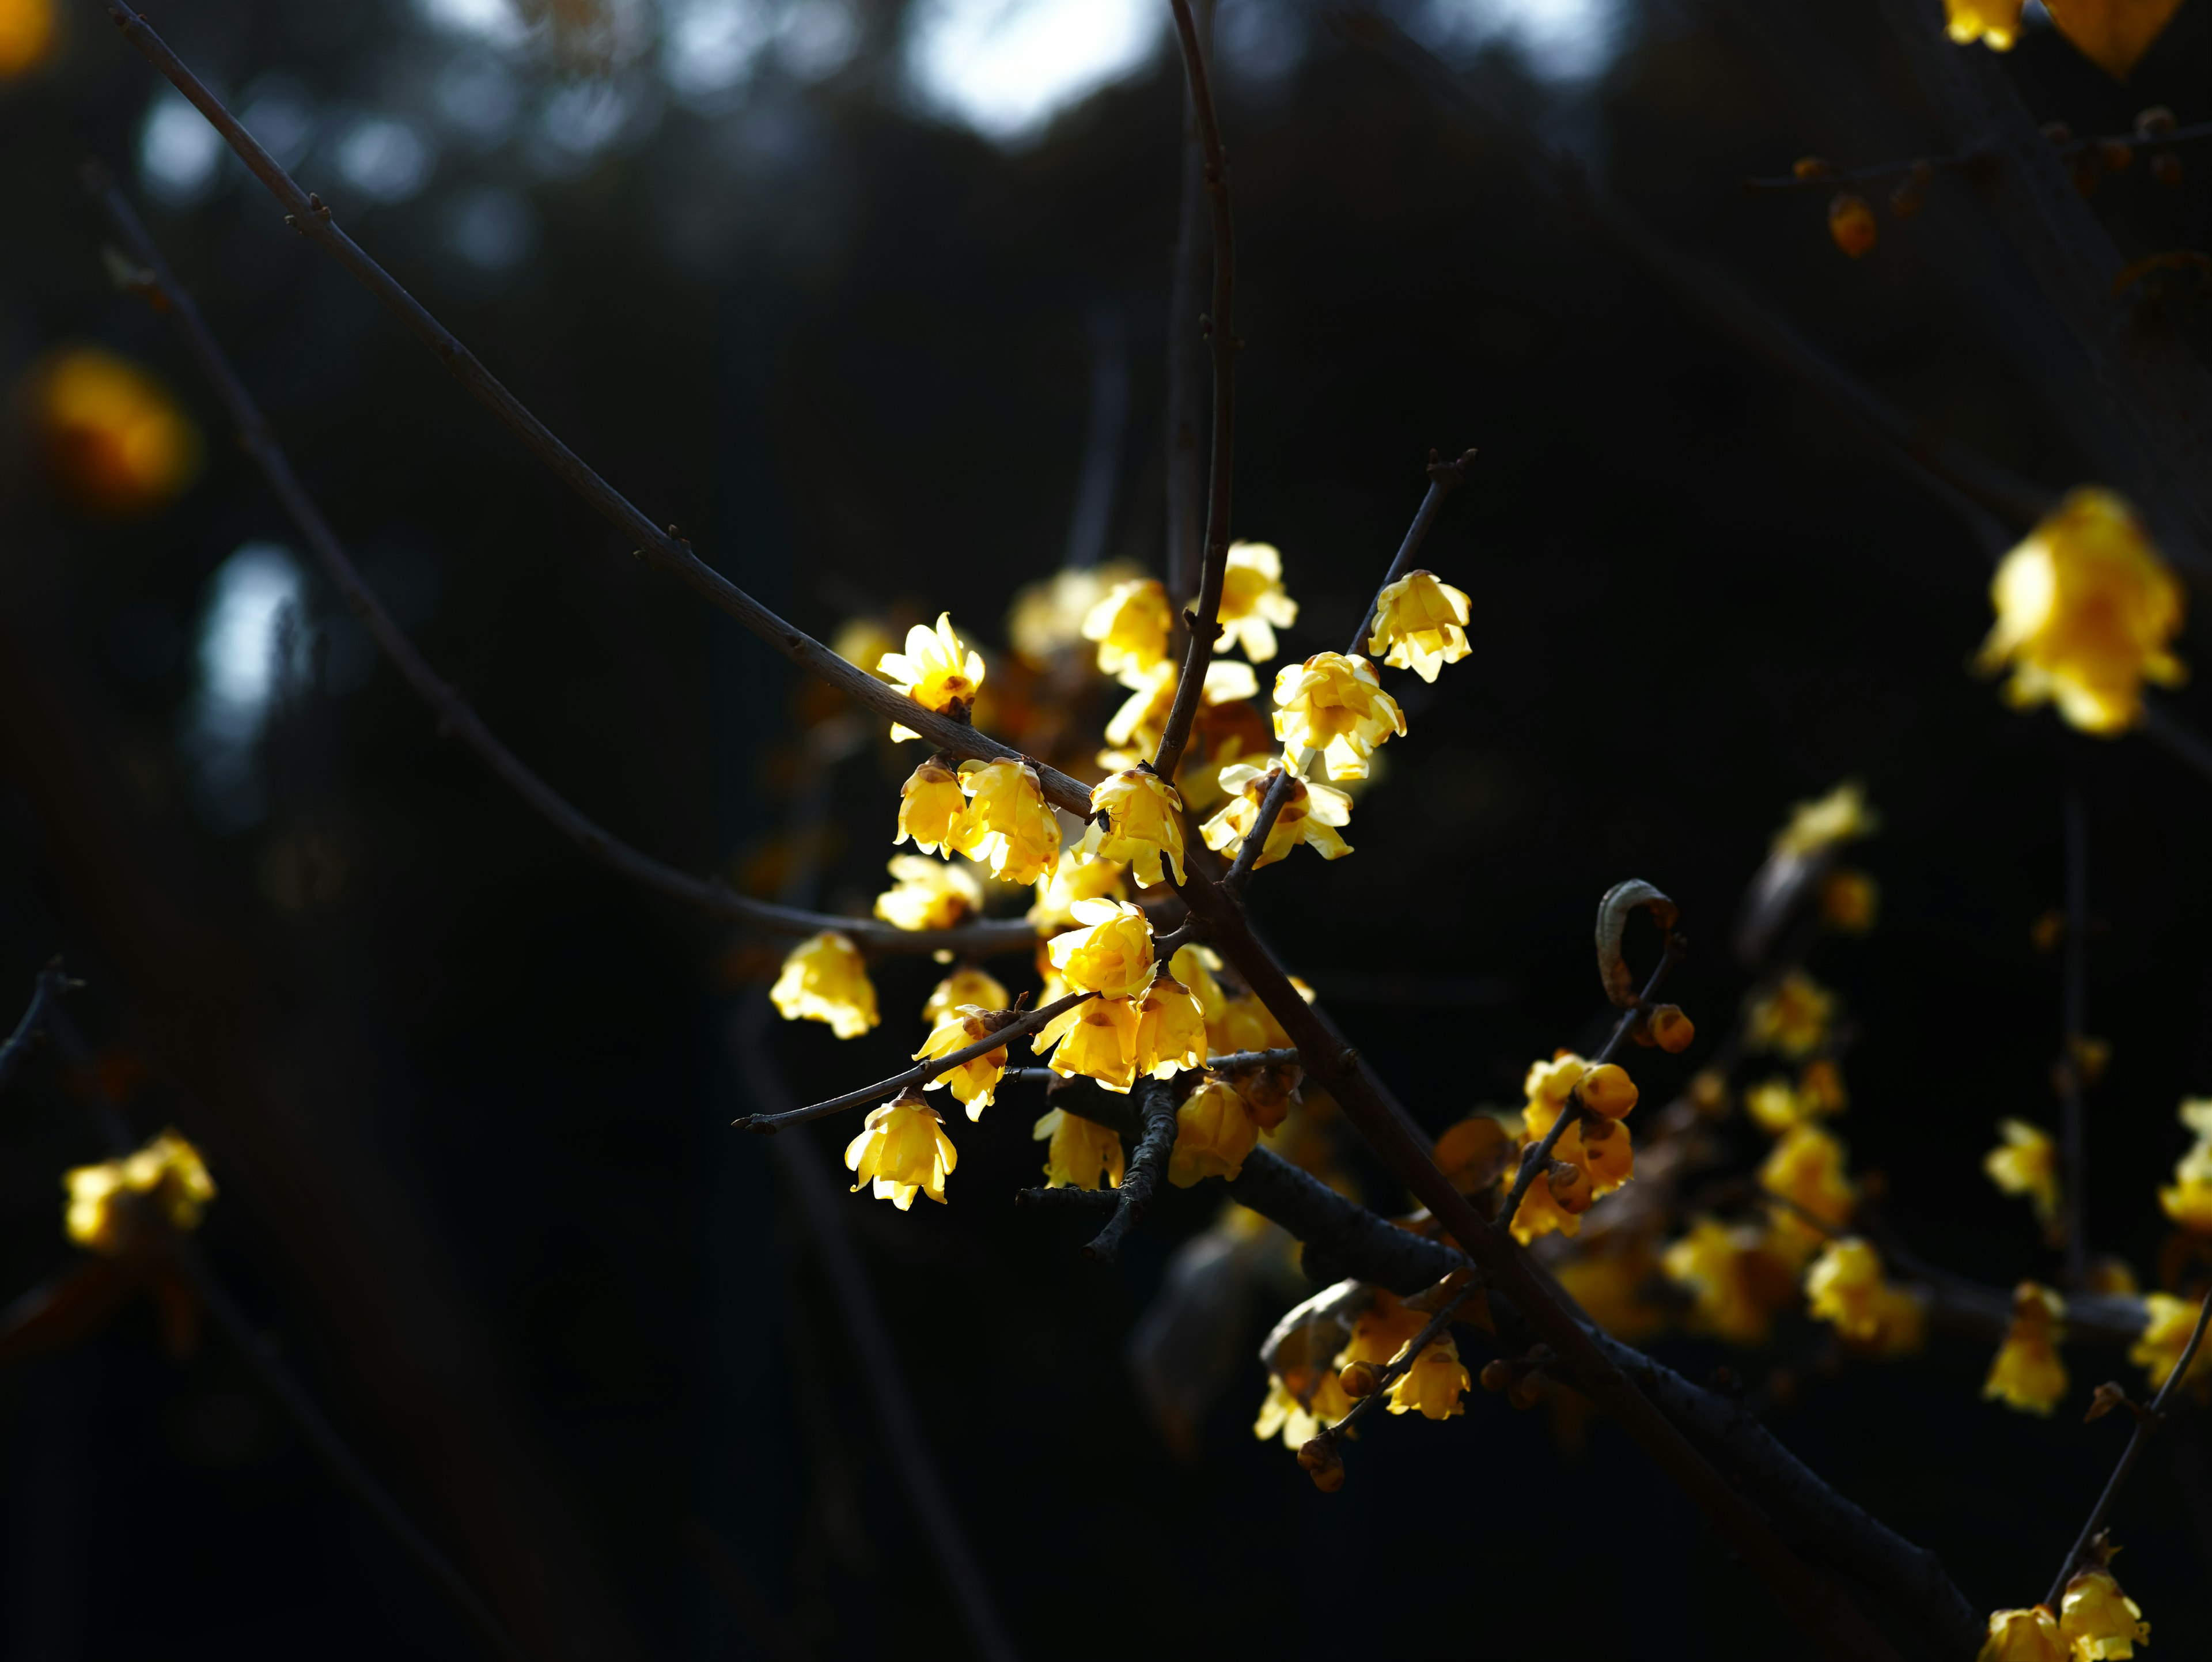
(1147, 1167)
(48, 990)
(1406, 1359)
(1971, 161)
(1234, 1061)
(2073, 1022)
(454, 714)
(1186, 511)
(663, 550)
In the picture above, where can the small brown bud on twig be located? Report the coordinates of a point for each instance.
(1323, 1463)
(2155, 122)
(1360, 1379)
(2109, 1396)
(1496, 1375)
(1811, 167)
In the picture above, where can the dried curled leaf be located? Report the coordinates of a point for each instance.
(1613, 911)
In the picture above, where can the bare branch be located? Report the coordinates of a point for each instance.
(1971, 161)
(2073, 1020)
(1155, 1106)
(48, 992)
(1185, 527)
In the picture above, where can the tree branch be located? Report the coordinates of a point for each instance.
(1156, 1107)
(47, 992)
(1186, 528)
(2073, 1020)
(1971, 161)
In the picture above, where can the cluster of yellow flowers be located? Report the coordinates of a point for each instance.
(995, 812)
(1846, 1287)
(1592, 1158)
(2027, 1374)
(2027, 1163)
(1302, 1401)
(2095, 1622)
(166, 1176)
(2189, 1201)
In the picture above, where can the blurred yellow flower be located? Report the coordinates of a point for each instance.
(903, 1150)
(2086, 610)
(1434, 1383)
(1805, 1168)
(965, 985)
(2026, 1163)
(824, 979)
(1195, 966)
(1130, 622)
(1046, 618)
(167, 1175)
(1736, 1279)
(1334, 703)
(113, 438)
(926, 894)
(1380, 1330)
(1420, 623)
(1081, 1153)
(1311, 813)
(1300, 1422)
(1793, 1018)
(1143, 823)
(1842, 816)
(931, 804)
(2189, 1201)
(1474, 1152)
(1111, 954)
(1214, 1135)
(1995, 23)
(937, 670)
(2028, 1635)
(1850, 901)
(972, 1082)
(1845, 1287)
(1076, 875)
(1170, 1029)
(1608, 1283)
(862, 642)
(1008, 825)
(26, 35)
(1096, 1039)
(2027, 1374)
(2098, 1621)
(2166, 1336)
(1136, 728)
(1253, 604)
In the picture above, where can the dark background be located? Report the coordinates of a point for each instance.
(467, 1094)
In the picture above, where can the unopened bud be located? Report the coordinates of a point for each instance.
(2155, 122)
(1526, 1392)
(1496, 1375)
(1606, 1089)
(1360, 1379)
(1671, 1031)
(1812, 167)
(1851, 223)
(1323, 1463)
(1571, 1186)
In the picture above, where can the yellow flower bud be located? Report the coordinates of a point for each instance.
(2098, 1620)
(1334, 703)
(965, 985)
(931, 803)
(1320, 1459)
(1849, 901)
(1666, 1027)
(937, 670)
(1215, 1134)
(113, 438)
(824, 979)
(1360, 1379)
(1606, 1089)
(166, 1176)
(1143, 823)
(1080, 1153)
(1851, 223)
(1995, 23)
(902, 1151)
(1253, 604)
(1420, 623)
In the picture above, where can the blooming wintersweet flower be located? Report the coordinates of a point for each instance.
(902, 1151)
(2099, 1621)
(1111, 954)
(1334, 703)
(1420, 623)
(1300, 1422)
(1142, 825)
(1793, 1018)
(931, 804)
(1078, 875)
(1311, 813)
(1135, 728)
(1096, 1039)
(824, 979)
(1434, 1384)
(2027, 1374)
(2165, 1335)
(1214, 1136)
(1845, 1287)
(1253, 604)
(166, 1176)
(2085, 612)
(1805, 1167)
(1195, 966)
(1130, 623)
(1080, 1153)
(973, 1081)
(1736, 1279)
(1008, 825)
(965, 985)
(2026, 1163)
(1047, 617)
(2189, 1201)
(937, 670)
(1170, 1029)
(1381, 1330)
(1844, 815)
(2028, 1635)
(927, 894)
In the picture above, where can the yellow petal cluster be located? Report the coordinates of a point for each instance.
(937, 670)
(2026, 1163)
(1096, 1039)
(1300, 1422)
(1130, 622)
(1794, 1018)
(973, 1082)
(1111, 954)
(902, 1151)
(1434, 1384)
(1214, 1134)
(2189, 1201)
(1420, 623)
(1170, 1029)
(1610, 1283)
(1134, 731)
(2166, 1336)
(166, 1176)
(2027, 1374)
(1076, 875)
(1142, 825)
(965, 985)
(1008, 826)
(1736, 1276)
(1253, 604)
(1046, 618)
(1597, 1146)
(931, 806)
(1845, 1287)
(1334, 703)
(1995, 23)
(1842, 816)
(2085, 612)
(2028, 1635)
(927, 894)
(1080, 1153)
(26, 35)
(1312, 814)
(824, 979)
(112, 437)
(2097, 1621)
(1806, 1167)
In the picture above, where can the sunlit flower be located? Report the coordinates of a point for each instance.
(2028, 1635)
(26, 35)
(972, 1082)
(1544, 1209)
(1334, 703)
(114, 439)
(1311, 813)
(931, 804)
(1194, 966)
(1434, 1384)
(1253, 604)
(1300, 1422)
(903, 1150)
(1805, 1168)
(965, 985)
(1794, 1018)
(1096, 1039)
(1081, 1154)
(1170, 1029)
(927, 894)
(825, 980)
(2098, 1620)
(1046, 618)
(166, 1176)
(1226, 733)
(2086, 611)
(2026, 1163)
(1420, 623)
(1134, 733)
(1735, 1277)
(1995, 23)
(1845, 1287)
(1380, 1330)
(1143, 823)
(1111, 954)
(937, 670)
(1008, 825)
(1214, 1135)
(2027, 1372)
(1842, 816)
(1130, 623)
(2166, 1336)
(2189, 1201)
(1076, 875)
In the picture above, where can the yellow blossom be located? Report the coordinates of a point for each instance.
(1845, 1287)
(1421, 623)
(1081, 1153)
(167, 1175)
(1900, 1322)
(1380, 1332)
(1130, 623)
(1142, 826)
(862, 642)
(1334, 703)
(1046, 618)
(825, 980)
(1474, 1153)
(1300, 1422)
(1820, 1087)
(1434, 1383)
(1096, 1039)
(931, 804)
(1111, 954)
(1214, 1134)
(2028, 1635)
(903, 1150)
(1794, 1018)
(1310, 813)
(1609, 1284)
(2086, 610)
(1735, 1277)
(965, 985)
(1253, 604)
(2166, 1336)
(1170, 1029)
(2098, 1621)
(2026, 1163)
(1136, 726)
(26, 34)
(1995, 23)
(113, 438)
(972, 1082)
(1805, 1168)
(1076, 875)
(2027, 1372)
(1842, 816)
(1230, 731)
(937, 670)
(2189, 1201)
(927, 894)
(1245, 1024)
(1008, 825)
(1542, 1210)
(1775, 1105)
(1194, 966)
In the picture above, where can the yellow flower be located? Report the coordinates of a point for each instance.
(1334, 703)
(1995, 23)
(1143, 823)
(965, 985)
(1842, 816)
(1111, 954)
(862, 642)
(1609, 1284)
(1311, 814)
(1434, 1383)
(1806, 1167)
(112, 437)
(1244, 1024)
(927, 894)
(2098, 1620)
(1046, 618)
(2027, 1372)
(1130, 623)
(1075, 876)
(1849, 901)
(903, 1150)
(1420, 623)
(1253, 603)
(931, 804)
(1542, 1210)
(1214, 1135)
(167, 1175)
(1170, 1029)
(1794, 1018)
(1193, 965)
(1820, 1087)
(2028, 1635)
(1008, 825)
(2166, 1336)
(1774, 1105)
(2086, 610)
(1380, 1332)
(26, 34)
(1736, 1279)
(2188, 1202)
(937, 670)
(1096, 1039)
(2026, 1163)
(1136, 726)
(825, 980)
(1845, 1287)
(1300, 1422)
(1474, 1152)
(1900, 1322)
(972, 1082)
(1082, 1154)
(1231, 731)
